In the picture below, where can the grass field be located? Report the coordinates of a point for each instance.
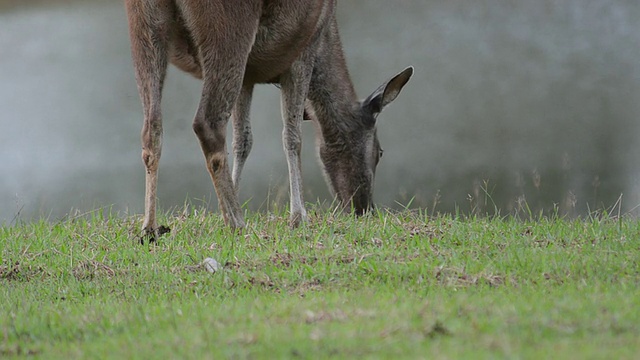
(387, 285)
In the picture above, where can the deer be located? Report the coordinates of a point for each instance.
(234, 45)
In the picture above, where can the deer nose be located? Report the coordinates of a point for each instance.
(362, 204)
(359, 211)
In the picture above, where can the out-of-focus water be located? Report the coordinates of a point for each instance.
(532, 102)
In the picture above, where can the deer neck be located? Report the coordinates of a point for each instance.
(331, 94)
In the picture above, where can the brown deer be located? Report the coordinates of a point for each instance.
(234, 44)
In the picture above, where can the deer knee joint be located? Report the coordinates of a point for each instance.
(217, 161)
(211, 135)
(292, 141)
(150, 159)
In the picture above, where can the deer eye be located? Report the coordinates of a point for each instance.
(380, 153)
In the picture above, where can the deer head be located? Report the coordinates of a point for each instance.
(350, 159)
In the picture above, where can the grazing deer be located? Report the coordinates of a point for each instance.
(232, 45)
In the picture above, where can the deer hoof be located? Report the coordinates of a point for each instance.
(295, 220)
(151, 235)
(235, 221)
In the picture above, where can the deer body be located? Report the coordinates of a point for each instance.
(232, 45)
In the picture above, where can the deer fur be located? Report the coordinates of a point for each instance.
(232, 45)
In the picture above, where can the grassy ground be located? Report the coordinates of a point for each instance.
(387, 285)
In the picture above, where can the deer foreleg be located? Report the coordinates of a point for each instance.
(295, 85)
(149, 38)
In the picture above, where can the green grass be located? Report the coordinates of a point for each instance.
(387, 285)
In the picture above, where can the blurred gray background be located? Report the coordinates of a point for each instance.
(513, 104)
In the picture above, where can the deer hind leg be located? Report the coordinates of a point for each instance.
(219, 94)
(149, 52)
(242, 137)
(223, 52)
(295, 85)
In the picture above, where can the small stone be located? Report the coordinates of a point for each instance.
(211, 265)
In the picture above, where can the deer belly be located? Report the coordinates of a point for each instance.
(284, 33)
(268, 60)
(266, 71)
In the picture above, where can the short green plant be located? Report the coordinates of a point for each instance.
(385, 285)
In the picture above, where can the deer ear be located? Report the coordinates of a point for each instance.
(387, 92)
